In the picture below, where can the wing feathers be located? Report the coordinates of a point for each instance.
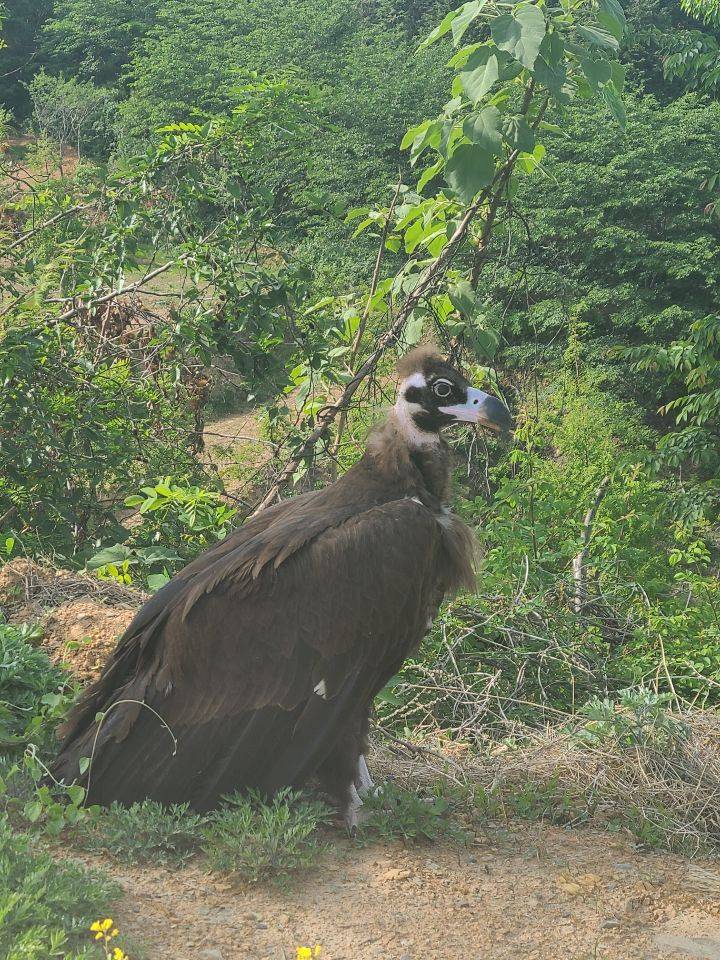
(233, 659)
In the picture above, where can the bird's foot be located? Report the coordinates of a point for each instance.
(353, 812)
(363, 781)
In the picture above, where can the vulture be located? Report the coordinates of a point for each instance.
(256, 666)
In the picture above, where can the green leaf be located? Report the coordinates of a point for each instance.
(414, 234)
(83, 764)
(468, 170)
(597, 72)
(463, 298)
(614, 103)
(519, 134)
(485, 339)
(468, 12)
(483, 129)
(428, 174)
(598, 38)
(32, 810)
(76, 794)
(114, 554)
(549, 76)
(157, 580)
(440, 30)
(414, 329)
(612, 16)
(480, 73)
(520, 34)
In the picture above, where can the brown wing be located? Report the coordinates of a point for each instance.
(256, 677)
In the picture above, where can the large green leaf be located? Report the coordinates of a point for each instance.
(440, 30)
(598, 38)
(480, 73)
(614, 102)
(550, 76)
(468, 170)
(520, 34)
(611, 16)
(483, 129)
(463, 298)
(550, 68)
(519, 134)
(597, 72)
(468, 12)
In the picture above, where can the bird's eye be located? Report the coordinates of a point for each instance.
(442, 389)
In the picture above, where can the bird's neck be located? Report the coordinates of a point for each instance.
(413, 460)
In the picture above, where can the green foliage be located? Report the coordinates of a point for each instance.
(30, 685)
(177, 523)
(397, 813)
(46, 904)
(94, 38)
(20, 23)
(691, 368)
(73, 113)
(98, 402)
(265, 840)
(146, 832)
(638, 718)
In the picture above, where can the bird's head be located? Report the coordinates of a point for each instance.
(432, 394)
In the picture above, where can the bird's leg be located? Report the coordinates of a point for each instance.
(351, 812)
(363, 780)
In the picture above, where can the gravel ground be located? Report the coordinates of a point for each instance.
(530, 891)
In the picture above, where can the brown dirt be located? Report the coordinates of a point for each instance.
(81, 616)
(532, 891)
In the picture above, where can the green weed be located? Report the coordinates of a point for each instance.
(146, 832)
(265, 840)
(46, 904)
(395, 812)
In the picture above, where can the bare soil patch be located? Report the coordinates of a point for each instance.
(532, 891)
(80, 615)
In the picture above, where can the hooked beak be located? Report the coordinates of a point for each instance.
(481, 408)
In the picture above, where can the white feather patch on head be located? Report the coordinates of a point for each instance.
(414, 436)
(414, 380)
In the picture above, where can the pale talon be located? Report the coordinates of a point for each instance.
(363, 781)
(351, 813)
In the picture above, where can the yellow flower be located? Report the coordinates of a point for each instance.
(118, 954)
(317, 951)
(304, 953)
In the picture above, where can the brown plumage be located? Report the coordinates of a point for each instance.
(264, 654)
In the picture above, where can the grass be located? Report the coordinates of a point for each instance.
(46, 905)
(410, 814)
(146, 832)
(246, 837)
(259, 841)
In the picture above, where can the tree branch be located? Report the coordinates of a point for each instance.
(578, 564)
(327, 416)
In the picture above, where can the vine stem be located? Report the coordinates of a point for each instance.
(104, 718)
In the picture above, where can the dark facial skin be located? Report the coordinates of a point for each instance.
(445, 388)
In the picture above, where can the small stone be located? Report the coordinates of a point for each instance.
(210, 954)
(472, 860)
(395, 874)
(262, 926)
(610, 924)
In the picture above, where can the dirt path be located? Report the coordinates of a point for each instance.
(530, 892)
